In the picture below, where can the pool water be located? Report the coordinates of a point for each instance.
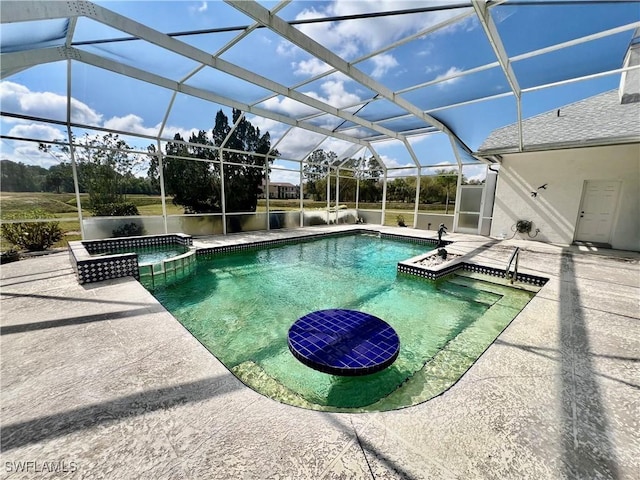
(154, 254)
(241, 305)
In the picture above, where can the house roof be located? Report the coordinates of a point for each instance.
(597, 120)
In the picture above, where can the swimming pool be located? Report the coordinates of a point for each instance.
(241, 305)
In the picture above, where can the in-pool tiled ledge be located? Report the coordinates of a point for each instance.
(90, 269)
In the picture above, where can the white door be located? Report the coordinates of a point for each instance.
(597, 210)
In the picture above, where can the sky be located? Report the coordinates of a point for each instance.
(104, 99)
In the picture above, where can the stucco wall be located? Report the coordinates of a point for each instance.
(555, 211)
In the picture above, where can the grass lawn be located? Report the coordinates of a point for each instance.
(63, 206)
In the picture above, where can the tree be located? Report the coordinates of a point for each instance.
(18, 177)
(243, 177)
(59, 178)
(196, 185)
(369, 171)
(153, 172)
(105, 163)
(448, 180)
(401, 190)
(315, 170)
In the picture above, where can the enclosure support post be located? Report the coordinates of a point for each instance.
(415, 209)
(337, 191)
(384, 196)
(222, 195)
(76, 186)
(301, 198)
(328, 195)
(266, 183)
(162, 191)
(74, 168)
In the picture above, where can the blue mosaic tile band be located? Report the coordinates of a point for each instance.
(343, 342)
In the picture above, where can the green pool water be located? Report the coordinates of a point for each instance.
(154, 254)
(241, 305)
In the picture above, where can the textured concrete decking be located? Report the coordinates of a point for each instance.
(101, 380)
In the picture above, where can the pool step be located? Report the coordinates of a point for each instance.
(497, 281)
(507, 295)
(453, 286)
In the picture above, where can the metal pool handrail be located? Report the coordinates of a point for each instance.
(514, 256)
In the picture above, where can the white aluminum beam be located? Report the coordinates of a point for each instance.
(152, 78)
(162, 40)
(260, 14)
(17, 61)
(391, 46)
(25, 11)
(247, 31)
(279, 89)
(490, 30)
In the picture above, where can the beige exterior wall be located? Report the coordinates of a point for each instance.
(555, 211)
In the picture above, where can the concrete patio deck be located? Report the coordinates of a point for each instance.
(100, 381)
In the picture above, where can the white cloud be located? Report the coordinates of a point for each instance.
(198, 8)
(352, 38)
(287, 49)
(28, 152)
(281, 176)
(426, 50)
(287, 106)
(478, 173)
(392, 162)
(17, 98)
(298, 143)
(310, 67)
(333, 93)
(130, 123)
(275, 129)
(448, 73)
(134, 124)
(383, 63)
(37, 131)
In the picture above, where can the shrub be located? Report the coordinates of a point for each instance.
(128, 230)
(32, 236)
(122, 209)
(9, 256)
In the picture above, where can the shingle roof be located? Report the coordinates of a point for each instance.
(598, 119)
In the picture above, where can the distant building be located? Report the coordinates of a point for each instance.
(281, 191)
